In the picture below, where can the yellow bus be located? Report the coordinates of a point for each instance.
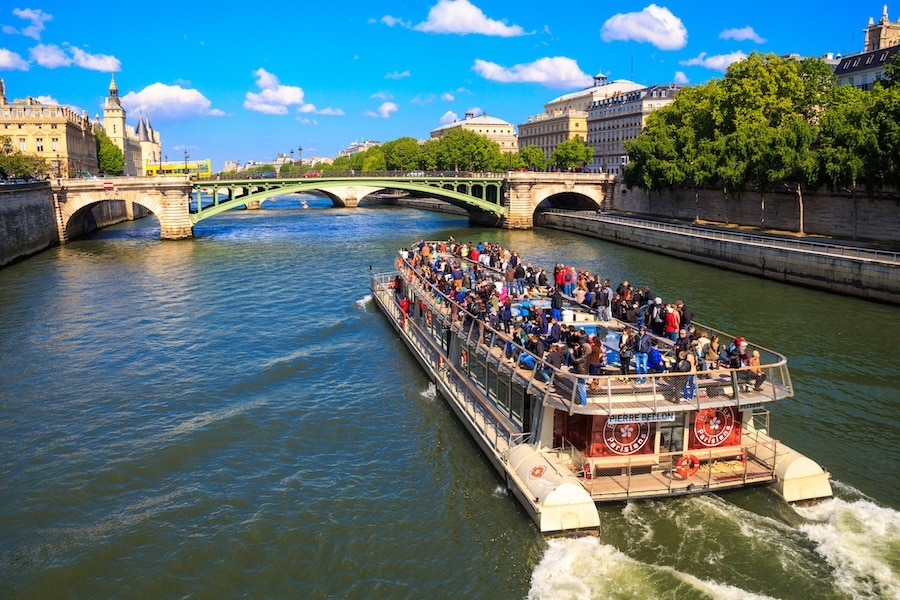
(196, 169)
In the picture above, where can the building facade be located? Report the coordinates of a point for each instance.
(62, 137)
(141, 145)
(620, 117)
(494, 129)
(566, 116)
(882, 42)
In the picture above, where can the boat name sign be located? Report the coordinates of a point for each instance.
(660, 417)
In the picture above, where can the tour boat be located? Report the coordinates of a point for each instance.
(563, 442)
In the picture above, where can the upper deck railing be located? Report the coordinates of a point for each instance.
(486, 350)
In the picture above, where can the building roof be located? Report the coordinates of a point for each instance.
(865, 61)
(481, 120)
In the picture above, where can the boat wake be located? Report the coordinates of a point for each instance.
(430, 392)
(364, 302)
(586, 568)
(860, 540)
(698, 547)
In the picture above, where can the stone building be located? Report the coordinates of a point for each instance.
(620, 117)
(58, 134)
(566, 117)
(882, 41)
(141, 145)
(494, 129)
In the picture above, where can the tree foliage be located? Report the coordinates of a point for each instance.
(15, 164)
(571, 153)
(110, 158)
(771, 123)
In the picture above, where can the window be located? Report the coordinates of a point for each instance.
(54, 144)
(21, 144)
(40, 144)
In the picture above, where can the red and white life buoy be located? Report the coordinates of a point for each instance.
(687, 466)
(743, 456)
(538, 471)
(463, 358)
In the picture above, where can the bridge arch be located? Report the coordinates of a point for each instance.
(78, 212)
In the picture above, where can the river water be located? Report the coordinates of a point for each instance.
(231, 416)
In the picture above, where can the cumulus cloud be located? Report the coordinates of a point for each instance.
(274, 98)
(10, 61)
(449, 117)
(655, 24)
(680, 78)
(52, 56)
(397, 74)
(170, 103)
(552, 72)
(331, 112)
(37, 18)
(718, 62)
(448, 97)
(384, 111)
(462, 17)
(422, 99)
(382, 96)
(742, 34)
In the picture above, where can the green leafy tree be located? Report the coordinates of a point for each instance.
(847, 136)
(571, 153)
(17, 164)
(373, 160)
(402, 154)
(533, 158)
(463, 150)
(110, 158)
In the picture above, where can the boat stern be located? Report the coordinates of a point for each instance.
(800, 478)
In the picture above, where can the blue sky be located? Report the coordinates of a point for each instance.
(236, 81)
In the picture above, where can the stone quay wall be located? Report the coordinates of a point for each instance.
(862, 278)
(27, 221)
(850, 216)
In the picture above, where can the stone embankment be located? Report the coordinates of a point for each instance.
(858, 271)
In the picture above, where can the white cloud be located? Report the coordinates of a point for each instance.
(382, 96)
(96, 62)
(742, 34)
(462, 17)
(52, 56)
(552, 72)
(170, 103)
(397, 74)
(719, 62)
(655, 24)
(10, 61)
(680, 78)
(47, 100)
(447, 97)
(384, 111)
(37, 19)
(274, 98)
(331, 112)
(391, 21)
(449, 117)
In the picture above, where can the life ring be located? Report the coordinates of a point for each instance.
(463, 358)
(428, 318)
(687, 466)
(538, 471)
(743, 456)
(399, 262)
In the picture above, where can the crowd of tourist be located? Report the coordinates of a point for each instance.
(523, 304)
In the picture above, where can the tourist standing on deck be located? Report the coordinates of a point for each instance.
(626, 349)
(642, 345)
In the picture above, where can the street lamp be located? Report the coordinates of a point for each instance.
(292, 157)
(185, 162)
(299, 154)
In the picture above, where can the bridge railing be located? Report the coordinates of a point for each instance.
(416, 174)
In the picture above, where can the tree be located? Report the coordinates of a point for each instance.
(570, 153)
(402, 154)
(463, 150)
(17, 164)
(533, 158)
(109, 156)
